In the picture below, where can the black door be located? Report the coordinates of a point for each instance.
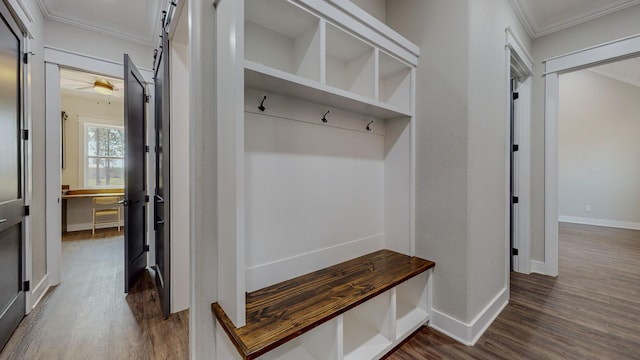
(135, 180)
(12, 297)
(162, 198)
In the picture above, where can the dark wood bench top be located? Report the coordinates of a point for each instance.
(284, 311)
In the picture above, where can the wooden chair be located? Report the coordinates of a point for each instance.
(101, 208)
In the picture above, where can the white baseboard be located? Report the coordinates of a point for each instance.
(39, 291)
(89, 226)
(600, 222)
(469, 334)
(538, 267)
(260, 276)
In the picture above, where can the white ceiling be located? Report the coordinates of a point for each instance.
(77, 83)
(627, 71)
(133, 20)
(542, 17)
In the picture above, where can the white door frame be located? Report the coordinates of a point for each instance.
(54, 58)
(596, 55)
(517, 56)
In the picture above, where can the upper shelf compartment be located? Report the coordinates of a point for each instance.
(328, 52)
(350, 63)
(280, 35)
(394, 82)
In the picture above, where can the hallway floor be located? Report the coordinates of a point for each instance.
(591, 311)
(88, 316)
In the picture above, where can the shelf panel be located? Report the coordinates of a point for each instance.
(363, 342)
(263, 77)
(409, 319)
(292, 46)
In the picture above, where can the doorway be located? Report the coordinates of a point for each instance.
(55, 61)
(92, 148)
(597, 55)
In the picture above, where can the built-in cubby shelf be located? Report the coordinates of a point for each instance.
(316, 149)
(345, 311)
(394, 82)
(292, 46)
(350, 63)
(412, 305)
(292, 51)
(259, 76)
(368, 328)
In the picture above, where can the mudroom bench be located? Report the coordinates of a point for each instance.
(358, 309)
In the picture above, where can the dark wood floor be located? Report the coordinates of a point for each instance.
(591, 311)
(88, 316)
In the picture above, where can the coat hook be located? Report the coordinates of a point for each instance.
(369, 127)
(261, 107)
(324, 117)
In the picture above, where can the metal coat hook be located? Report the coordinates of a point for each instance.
(368, 125)
(324, 117)
(261, 107)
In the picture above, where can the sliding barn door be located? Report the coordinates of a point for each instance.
(162, 198)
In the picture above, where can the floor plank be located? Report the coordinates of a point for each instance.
(88, 316)
(590, 311)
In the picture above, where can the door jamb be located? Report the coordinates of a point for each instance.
(620, 49)
(515, 50)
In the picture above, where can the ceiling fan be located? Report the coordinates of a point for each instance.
(99, 85)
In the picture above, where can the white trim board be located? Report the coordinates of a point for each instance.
(600, 222)
(39, 291)
(470, 333)
(538, 267)
(591, 56)
(89, 63)
(263, 275)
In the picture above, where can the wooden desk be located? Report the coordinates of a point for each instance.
(85, 194)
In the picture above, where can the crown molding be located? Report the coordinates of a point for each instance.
(536, 30)
(146, 40)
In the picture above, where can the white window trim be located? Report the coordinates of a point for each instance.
(84, 122)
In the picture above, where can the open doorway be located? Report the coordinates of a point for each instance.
(598, 171)
(92, 152)
(597, 55)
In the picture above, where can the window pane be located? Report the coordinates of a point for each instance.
(114, 176)
(104, 156)
(116, 143)
(95, 170)
(105, 172)
(92, 141)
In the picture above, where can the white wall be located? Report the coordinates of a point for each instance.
(179, 137)
(313, 192)
(68, 37)
(599, 151)
(601, 30)
(461, 151)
